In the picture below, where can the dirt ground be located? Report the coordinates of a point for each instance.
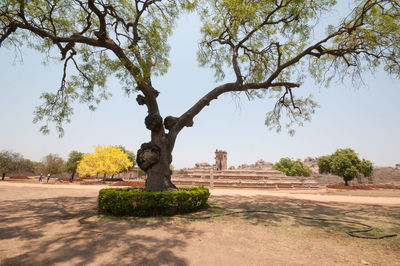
(58, 224)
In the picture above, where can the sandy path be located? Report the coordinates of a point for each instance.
(313, 195)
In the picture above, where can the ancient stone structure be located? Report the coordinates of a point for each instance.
(202, 166)
(260, 164)
(312, 163)
(220, 160)
(398, 166)
(258, 175)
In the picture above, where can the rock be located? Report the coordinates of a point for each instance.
(365, 262)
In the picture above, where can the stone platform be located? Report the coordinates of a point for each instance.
(242, 178)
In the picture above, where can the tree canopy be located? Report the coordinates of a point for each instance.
(106, 160)
(345, 163)
(268, 47)
(51, 164)
(292, 167)
(70, 166)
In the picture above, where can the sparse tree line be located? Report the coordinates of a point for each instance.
(105, 160)
(110, 160)
(344, 163)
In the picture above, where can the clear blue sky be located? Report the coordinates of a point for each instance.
(365, 119)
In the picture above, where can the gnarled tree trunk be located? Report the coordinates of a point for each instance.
(155, 156)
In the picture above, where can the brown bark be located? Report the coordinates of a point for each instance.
(155, 156)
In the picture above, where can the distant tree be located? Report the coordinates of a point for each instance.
(324, 164)
(344, 163)
(74, 158)
(366, 169)
(13, 162)
(7, 163)
(106, 160)
(256, 48)
(292, 167)
(51, 164)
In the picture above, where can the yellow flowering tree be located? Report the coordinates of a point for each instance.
(107, 160)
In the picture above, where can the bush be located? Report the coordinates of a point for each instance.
(134, 201)
(292, 168)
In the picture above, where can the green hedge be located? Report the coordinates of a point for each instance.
(134, 201)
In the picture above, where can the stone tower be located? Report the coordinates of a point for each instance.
(220, 160)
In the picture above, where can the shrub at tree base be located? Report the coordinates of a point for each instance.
(134, 201)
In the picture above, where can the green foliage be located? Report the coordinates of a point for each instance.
(292, 168)
(268, 46)
(344, 163)
(324, 164)
(74, 158)
(133, 201)
(140, 29)
(366, 168)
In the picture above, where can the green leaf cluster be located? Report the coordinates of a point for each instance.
(292, 167)
(133, 201)
(371, 43)
(345, 163)
(74, 158)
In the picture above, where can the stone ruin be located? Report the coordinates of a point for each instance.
(312, 163)
(258, 175)
(203, 166)
(220, 160)
(260, 164)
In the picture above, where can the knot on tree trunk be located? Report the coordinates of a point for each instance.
(189, 123)
(153, 122)
(169, 122)
(156, 93)
(148, 155)
(141, 100)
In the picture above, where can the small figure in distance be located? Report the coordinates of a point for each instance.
(40, 178)
(48, 177)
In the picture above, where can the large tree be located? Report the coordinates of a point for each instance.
(345, 163)
(267, 46)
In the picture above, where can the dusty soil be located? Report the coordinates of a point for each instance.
(58, 224)
(364, 187)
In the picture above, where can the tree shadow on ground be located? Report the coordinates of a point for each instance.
(68, 230)
(274, 210)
